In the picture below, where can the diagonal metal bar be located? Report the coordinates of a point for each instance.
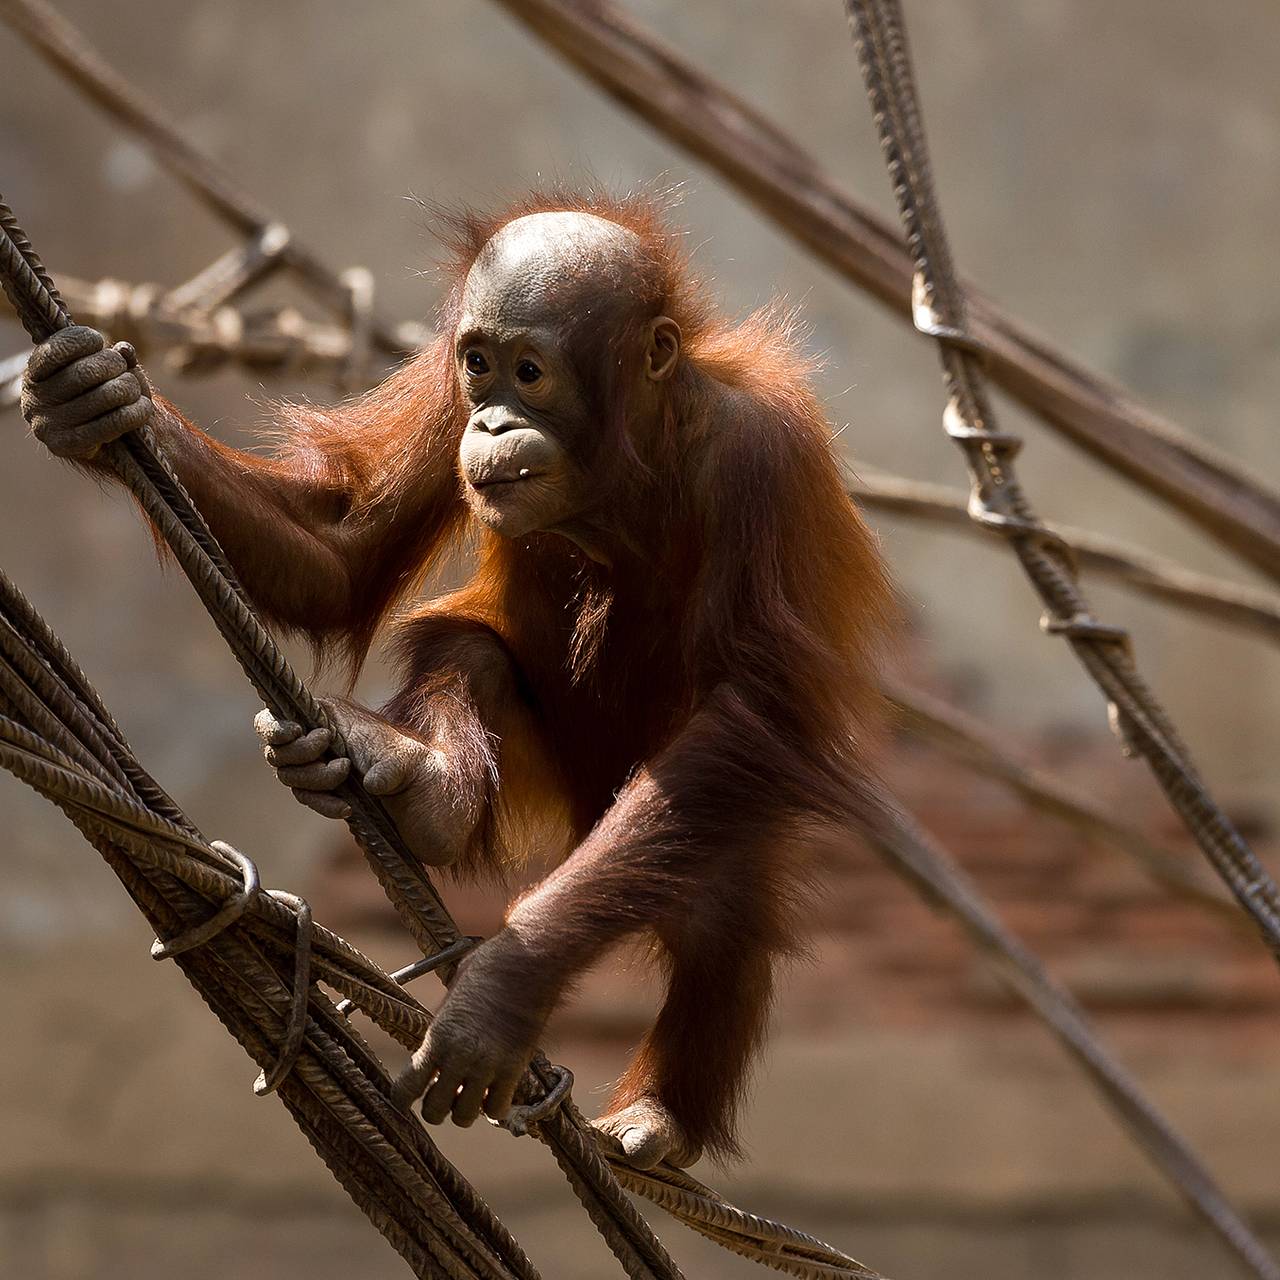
(955, 734)
(1252, 609)
(66, 49)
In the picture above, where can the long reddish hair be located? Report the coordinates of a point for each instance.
(738, 466)
(696, 711)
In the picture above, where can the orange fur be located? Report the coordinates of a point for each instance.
(686, 719)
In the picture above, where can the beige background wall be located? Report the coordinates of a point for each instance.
(1111, 173)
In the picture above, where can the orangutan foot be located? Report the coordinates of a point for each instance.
(649, 1133)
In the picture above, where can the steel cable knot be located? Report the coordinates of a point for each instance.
(525, 1117)
(1084, 626)
(296, 1027)
(223, 918)
(926, 320)
(227, 915)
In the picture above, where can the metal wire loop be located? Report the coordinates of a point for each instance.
(296, 1027)
(1084, 626)
(428, 964)
(223, 918)
(523, 1118)
(925, 319)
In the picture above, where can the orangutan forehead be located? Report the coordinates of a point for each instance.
(544, 262)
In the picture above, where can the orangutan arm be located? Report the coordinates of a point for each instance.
(312, 550)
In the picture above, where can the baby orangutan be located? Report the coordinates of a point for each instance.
(662, 668)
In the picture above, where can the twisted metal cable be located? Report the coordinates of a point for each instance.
(358, 1142)
(157, 856)
(26, 283)
(998, 500)
(770, 1243)
(149, 849)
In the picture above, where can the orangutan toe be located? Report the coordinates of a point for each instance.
(649, 1134)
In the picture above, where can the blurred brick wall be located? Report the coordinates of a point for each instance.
(1127, 947)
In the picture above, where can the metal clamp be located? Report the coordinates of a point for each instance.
(523, 1118)
(223, 918)
(227, 915)
(296, 1027)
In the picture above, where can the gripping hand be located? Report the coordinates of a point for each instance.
(412, 777)
(79, 394)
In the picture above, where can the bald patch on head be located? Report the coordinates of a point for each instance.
(544, 264)
(564, 231)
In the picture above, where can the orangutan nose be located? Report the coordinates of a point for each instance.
(494, 422)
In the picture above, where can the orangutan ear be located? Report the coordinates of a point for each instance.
(663, 352)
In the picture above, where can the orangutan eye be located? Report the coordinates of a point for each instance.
(528, 372)
(476, 363)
